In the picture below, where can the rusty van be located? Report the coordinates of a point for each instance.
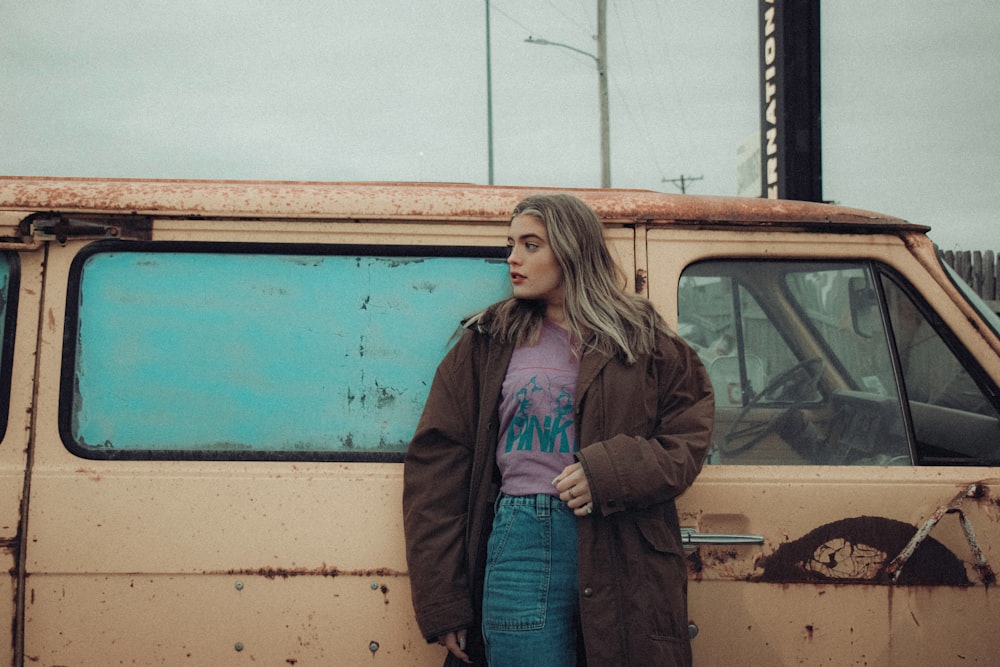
(207, 389)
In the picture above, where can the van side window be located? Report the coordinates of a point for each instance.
(196, 351)
(811, 362)
(954, 421)
(9, 286)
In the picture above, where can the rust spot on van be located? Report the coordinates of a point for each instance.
(859, 550)
(322, 571)
(405, 201)
(640, 281)
(91, 473)
(879, 550)
(720, 557)
(695, 564)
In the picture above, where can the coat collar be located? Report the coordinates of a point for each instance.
(590, 367)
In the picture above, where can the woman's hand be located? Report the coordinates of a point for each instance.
(455, 643)
(574, 489)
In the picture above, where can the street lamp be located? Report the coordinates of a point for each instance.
(545, 42)
(602, 85)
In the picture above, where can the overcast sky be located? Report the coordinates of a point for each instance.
(396, 90)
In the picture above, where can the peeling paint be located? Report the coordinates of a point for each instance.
(977, 491)
(981, 566)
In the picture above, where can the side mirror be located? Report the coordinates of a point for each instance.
(864, 307)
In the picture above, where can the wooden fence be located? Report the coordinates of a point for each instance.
(979, 269)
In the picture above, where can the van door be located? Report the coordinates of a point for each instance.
(222, 479)
(846, 512)
(20, 292)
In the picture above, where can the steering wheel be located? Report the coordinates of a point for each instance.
(788, 386)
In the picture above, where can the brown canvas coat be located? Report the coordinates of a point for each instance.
(644, 430)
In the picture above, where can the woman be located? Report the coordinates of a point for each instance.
(539, 486)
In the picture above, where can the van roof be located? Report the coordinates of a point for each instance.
(410, 201)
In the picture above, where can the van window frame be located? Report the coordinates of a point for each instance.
(991, 318)
(962, 355)
(880, 272)
(9, 337)
(72, 326)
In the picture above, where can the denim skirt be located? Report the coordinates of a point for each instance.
(530, 605)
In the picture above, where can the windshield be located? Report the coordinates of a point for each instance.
(987, 313)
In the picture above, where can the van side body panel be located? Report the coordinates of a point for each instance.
(123, 557)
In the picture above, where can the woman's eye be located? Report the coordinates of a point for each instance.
(531, 246)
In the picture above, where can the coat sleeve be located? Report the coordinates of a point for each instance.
(658, 429)
(436, 475)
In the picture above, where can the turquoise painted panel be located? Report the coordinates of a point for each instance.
(6, 275)
(5, 292)
(262, 352)
(9, 287)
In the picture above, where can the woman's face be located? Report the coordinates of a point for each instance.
(534, 271)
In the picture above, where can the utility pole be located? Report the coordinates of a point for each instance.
(489, 95)
(602, 82)
(682, 181)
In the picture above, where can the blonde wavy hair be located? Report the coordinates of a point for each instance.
(599, 313)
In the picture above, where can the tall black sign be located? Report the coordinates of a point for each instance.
(791, 157)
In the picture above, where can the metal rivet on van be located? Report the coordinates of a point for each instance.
(239, 646)
(374, 585)
(239, 585)
(692, 630)
(373, 647)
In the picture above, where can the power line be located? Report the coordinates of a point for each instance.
(572, 20)
(682, 181)
(640, 120)
(510, 18)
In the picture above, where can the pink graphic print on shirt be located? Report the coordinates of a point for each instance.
(537, 429)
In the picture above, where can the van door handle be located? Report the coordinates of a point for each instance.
(691, 537)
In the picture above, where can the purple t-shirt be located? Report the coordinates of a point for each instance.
(537, 431)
